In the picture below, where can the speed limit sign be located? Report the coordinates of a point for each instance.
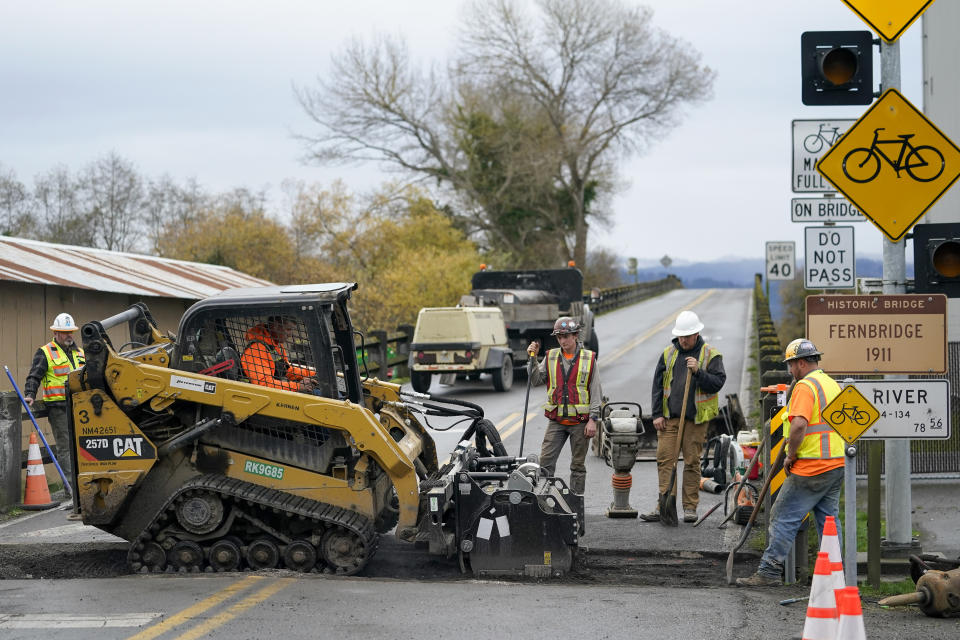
(781, 260)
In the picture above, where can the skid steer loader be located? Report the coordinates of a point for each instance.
(252, 440)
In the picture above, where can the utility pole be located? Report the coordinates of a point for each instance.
(897, 499)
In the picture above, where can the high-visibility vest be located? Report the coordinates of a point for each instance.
(820, 442)
(572, 392)
(59, 367)
(708, 404)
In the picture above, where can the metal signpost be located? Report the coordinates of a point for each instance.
(850, 414)
(781, 260)
(822, 210)
(829, 260)
(812, 139)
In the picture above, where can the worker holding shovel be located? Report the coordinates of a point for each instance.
(687, 365)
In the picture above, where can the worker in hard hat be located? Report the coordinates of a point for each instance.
(48, 375)
(572, 408)
(686, 352)
(814, 462)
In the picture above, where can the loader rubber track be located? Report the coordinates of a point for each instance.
(347, 535)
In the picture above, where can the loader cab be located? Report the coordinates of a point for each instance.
(232, 335)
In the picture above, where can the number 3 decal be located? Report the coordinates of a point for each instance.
(84, 416)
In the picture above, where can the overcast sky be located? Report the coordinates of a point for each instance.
(203, 89)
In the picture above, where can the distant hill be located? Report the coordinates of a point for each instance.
(738, 273)
(733, 273)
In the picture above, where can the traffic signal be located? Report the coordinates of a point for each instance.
(936, 259)
(837, 67)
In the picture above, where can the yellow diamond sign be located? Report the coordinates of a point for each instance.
(850, 414)
(889, 18)
(893, 164)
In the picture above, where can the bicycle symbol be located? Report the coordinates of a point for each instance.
(814, 142)
(923, 163)
(856, 415)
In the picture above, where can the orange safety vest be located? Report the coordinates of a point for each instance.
(822, 446)
(572, 392)
(59, 367)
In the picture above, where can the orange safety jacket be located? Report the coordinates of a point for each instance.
(572, 392)
(59, 366)
(265, 362)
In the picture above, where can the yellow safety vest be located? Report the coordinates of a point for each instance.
(572, 392)
(820, 442)
(59, 367)
(708, 404)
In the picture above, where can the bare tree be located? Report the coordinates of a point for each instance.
(593, 79)
(168, 204)
(112, 196)
(59, 217)
(14, 204)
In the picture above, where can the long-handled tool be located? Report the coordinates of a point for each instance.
(63, 477)
(743, 481)
(772, 471)
(526, 403)
(668, 501)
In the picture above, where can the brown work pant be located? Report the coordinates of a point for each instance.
(692, 447)
(553, 441)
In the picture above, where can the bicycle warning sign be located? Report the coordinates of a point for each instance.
(893, 164)
(850, 414)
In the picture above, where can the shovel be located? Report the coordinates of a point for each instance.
(668, 500)
(772, 471)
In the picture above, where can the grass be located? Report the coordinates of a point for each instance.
(887, 588)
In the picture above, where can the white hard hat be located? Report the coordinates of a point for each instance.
(687, 324)
(63, 322)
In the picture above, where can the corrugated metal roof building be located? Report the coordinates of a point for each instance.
(39, 280)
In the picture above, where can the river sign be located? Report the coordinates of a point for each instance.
(909, 409)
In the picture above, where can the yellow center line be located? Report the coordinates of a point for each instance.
(513, 429)
(622, 351)
(222, 618)
(190, 612)
(503, 423)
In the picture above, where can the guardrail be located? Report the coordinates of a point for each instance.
(616, 297)
(385, 352)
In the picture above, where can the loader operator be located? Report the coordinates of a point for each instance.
(687, 351)
(265, 361)
(573, 399)
(814, 463)
(51, 364)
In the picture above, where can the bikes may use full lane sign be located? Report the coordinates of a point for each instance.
(893, 164)
(811, 141)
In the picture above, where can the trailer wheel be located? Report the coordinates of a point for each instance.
(420, 381)
(593, 344)
(503, 377)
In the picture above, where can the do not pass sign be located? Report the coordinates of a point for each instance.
(829, 258)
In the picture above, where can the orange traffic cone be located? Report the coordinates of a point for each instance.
(36, 497)
(850, 620)
(821, 622)
(830, 543)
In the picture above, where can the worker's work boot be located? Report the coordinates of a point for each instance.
(759, 580)
(651, 516)
(689, 515)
